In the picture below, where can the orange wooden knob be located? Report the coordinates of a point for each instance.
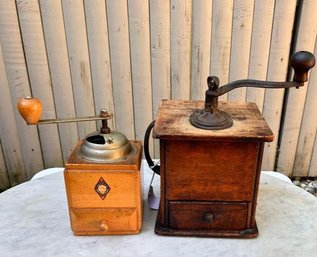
(30, 109)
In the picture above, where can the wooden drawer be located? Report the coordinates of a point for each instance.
(104, 221)
(210, 170)
(124, 189)
(207, 215)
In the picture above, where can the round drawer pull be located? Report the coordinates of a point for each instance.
(208, 217)
(104, 225)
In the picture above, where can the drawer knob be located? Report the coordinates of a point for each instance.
(208, 217)
(104, 225)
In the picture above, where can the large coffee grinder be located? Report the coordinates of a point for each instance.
(210, 159)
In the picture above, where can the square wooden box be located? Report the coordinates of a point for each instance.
(209, 178)
(117, 208)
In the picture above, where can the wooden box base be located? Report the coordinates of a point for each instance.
(104, 198)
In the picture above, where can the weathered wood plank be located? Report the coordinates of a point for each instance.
(75, 27)
(240, 46)
(181, 17)
(201, 38)
(221, 41)
(97, 30)
(307, 134)
(277, 70)
(55, 39)
(305, 40)
(12, 166)
(39, 76)
(160, 51)
(118, 25)
(313, 163)
(141, 66)
(160, 55)
(4, 179)
(19, 84)
(260, 48)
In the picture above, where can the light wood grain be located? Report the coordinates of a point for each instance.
(305, 40)
(201, 39)
(17, 75)
(313, 163)
(39, 76)
(75, 28)
(160, 55)
(277, 70)
(55, 42)
(221, 41)
(260, 48)
(240, 46)
(141, 66)
(5, 183)
(11, 159)
(307, 133)
(97, 30)
(118, 24)
(120, 209)
(181, 22)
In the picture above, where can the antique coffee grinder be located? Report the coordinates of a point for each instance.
(102, 177)
(210, 155)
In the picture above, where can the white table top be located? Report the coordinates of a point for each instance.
(34, 221)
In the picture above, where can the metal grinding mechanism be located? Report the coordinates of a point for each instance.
(106, 146)
(102, 176)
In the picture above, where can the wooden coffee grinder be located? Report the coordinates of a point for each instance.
(211, 157)
(102, 177)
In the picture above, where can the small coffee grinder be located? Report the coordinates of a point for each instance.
(211, 156)
(102, 177)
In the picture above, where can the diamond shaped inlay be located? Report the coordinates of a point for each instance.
(102, 188)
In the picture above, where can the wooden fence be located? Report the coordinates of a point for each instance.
(79, 56)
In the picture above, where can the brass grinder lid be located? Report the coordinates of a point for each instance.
(106, 148)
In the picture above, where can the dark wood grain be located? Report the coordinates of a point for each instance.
(248, 124)
(209, 179)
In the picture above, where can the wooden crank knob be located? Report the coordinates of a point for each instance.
(302, 62)
(30, 109)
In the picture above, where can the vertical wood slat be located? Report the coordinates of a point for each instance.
(240, 46)
(141, 66)
(277, 71)
(260, 48)
(40, 81)
(201, 38)
(307, 135)
(55, 40)
(76, 36)
(117, 12)
(97, 30)
(9, 137)
(19, 84)
(313, 163)
(306, 39)
(160, 55)
(221, 41)
(181, 21)
(4, 179)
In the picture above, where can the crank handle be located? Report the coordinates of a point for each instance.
(301, 62)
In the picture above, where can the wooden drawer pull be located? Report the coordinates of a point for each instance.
(104, 225)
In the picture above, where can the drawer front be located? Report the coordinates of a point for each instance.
(104, 221)
(117, 189)
(210, 171)
(206, 215)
